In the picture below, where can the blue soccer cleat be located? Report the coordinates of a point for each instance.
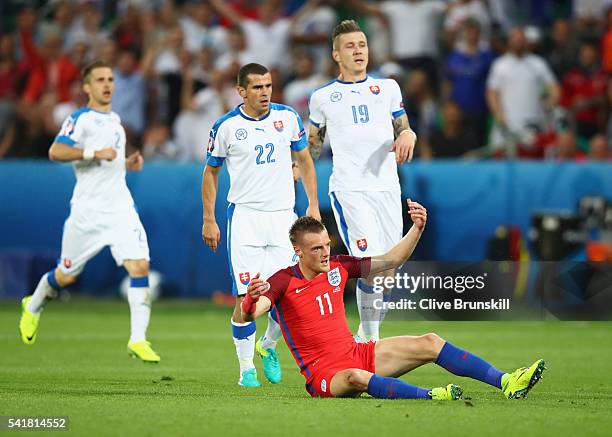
(248, 378)
(272, 368)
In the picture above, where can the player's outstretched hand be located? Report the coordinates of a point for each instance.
(257, 287)
(134, 162)
(211, 234)
(418, 213)
(107, 154)
(404, 146)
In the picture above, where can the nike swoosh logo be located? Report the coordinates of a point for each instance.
(30, 338)
(299, 290)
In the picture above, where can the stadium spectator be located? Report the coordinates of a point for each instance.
(599, 149)
(310, 29)
(196, 22)
(200, 111)
(157, 143)
(11, 75)
(459, 14)
(421, 107)
(87, 26)
(606, 44)
(515, 85)
(583, 91)
(566, 148)
(236, 50)
(298, 91)
(60, 22)
(467, 68)
(130, 95)
(561, 50)
(413, 26)
(451, 140)
(269, 31)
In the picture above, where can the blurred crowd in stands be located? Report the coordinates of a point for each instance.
(481, 79)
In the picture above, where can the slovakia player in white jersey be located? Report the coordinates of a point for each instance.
(256, 140)
(369, 135)
(102, 211)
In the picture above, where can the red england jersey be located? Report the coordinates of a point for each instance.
(311, 312)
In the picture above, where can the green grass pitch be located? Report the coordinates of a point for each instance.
(79, 368)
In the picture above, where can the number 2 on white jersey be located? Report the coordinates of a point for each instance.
(319, 299)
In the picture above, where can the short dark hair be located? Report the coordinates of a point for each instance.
(86, 71)
(304, 225)
(346, 26)
(252, 68)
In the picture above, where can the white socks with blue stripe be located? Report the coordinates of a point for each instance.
(140, 308)
(46, 289)
(244, 340)
(371, 318)
(273, 332)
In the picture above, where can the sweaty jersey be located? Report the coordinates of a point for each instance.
(311, 312)
(258, 156)
(100, 184)
(358, 117)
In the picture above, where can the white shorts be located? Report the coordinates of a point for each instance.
(87, 232)
(257, 241)
(369, 222)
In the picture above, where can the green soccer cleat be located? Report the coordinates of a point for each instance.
(518, 383)
(142, 350)
(272, 368)
(28, 324)
(248, 378)
(451, 392)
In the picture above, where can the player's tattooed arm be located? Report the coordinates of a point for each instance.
(400, 253)
(405, 139)
(316, 136)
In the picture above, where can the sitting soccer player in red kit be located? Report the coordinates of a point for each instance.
(309, 298)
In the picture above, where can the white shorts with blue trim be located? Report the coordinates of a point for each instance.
(369, 222)
(87, 232)
(257, 241)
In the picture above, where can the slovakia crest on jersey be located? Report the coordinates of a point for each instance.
(362, 244)
(375, 89)
(278, 125)
(245, 278)
(333, 277)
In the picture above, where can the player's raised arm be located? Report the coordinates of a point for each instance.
(210, 230)
(316, 136)
(309, 180)
(403, 250)
(254, 304)
(65, 152)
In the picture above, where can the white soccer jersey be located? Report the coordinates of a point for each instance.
(358, 117)
(258, 156)
(100, 184)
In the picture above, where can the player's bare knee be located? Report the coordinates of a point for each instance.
(358, 379)
(237, 315)
(63, 279)
(137, 268)
(433, 343)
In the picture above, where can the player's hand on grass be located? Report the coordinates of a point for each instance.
(107, 154)
(313, 211)
(211, 234)
(418, 213)
(403, 146)
(134, 162)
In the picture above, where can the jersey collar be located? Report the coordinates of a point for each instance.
(351, 83)
(243, 115)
